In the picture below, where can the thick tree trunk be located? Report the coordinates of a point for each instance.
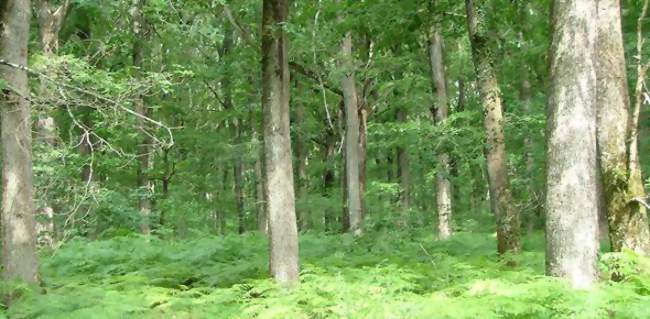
(19, 259)
(350, 98)
(279, 191)
(571, 195)
(628, 220)
(439, 84)
(500, 198)
(145, 155)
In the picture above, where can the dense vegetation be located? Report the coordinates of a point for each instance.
(325, 159)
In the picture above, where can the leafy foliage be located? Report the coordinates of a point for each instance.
(382, 275)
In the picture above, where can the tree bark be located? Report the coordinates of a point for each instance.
(50, 20)
(279, 191)
(628, 220)
(236, 125)
(571, 155)
(439, 86)
(350, 98)
(145, 155)
(302, 181)
(404, 171)
(500, 197)
(19, 259)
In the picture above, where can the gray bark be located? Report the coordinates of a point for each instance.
(350, 98)
(19, 259)
(279, 190)
(571, 187)
(439, 86)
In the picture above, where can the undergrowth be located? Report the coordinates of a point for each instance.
(381, 275)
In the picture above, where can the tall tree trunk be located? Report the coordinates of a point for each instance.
(236, 125)
(19, 259)
(500, 198)
(350, 98)
(145, 155)
(50, 20)
(329, 176)
(301, 167)
(443, 186)
(628, 220)
(525, 100)
(404, 171)
(262, 220)
(571, 177)
(279, 191)
(363, 151)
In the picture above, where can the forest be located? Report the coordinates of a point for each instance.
(325, 159)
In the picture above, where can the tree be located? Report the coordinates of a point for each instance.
(441, 109)
(145, 154)
(622, 183)
(279, 191)
(50, 21)
(19, 259)
(352, 173)
(571, 177)
(500, 198)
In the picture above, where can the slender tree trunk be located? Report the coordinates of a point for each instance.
(353, 189)
(262, 220)
(500, 198)
(19, 259)
(302, 181)
(279, 191)
(329, 177)
(363, 151)
(571, 196)
(50, 20)
(404, 171)
(145, 155)
(525, 100)
(236, 125)
(443, 186)
(628, 220)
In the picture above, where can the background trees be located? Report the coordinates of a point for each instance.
(179, 119)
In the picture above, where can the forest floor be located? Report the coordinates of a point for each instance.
(381, 275)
